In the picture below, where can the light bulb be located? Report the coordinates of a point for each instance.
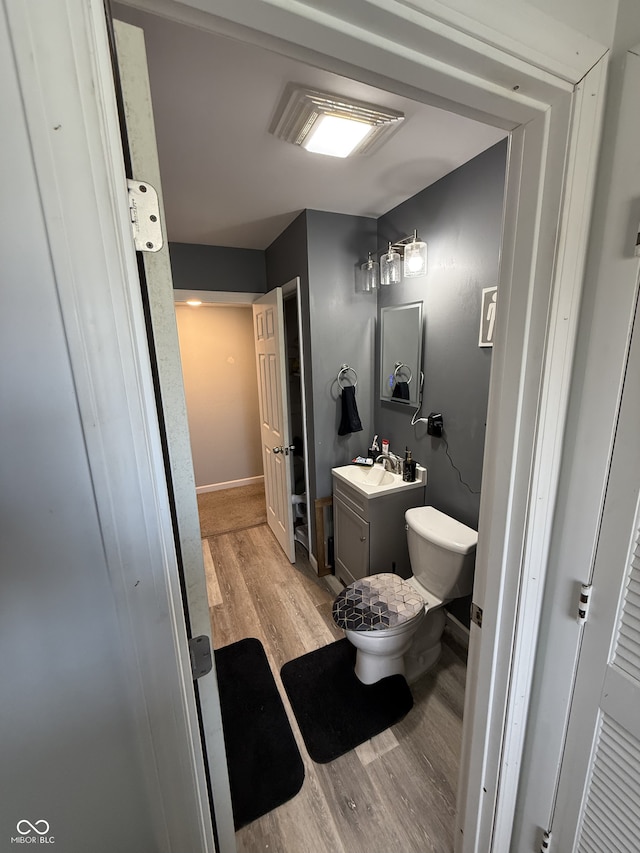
(370, 274)
(390, 267)
(415, 258)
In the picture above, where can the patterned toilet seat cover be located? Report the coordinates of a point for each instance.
(375, 603)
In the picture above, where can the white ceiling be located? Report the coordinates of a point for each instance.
(228, 182)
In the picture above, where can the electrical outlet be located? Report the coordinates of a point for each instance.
(435, 424)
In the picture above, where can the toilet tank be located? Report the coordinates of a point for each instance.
(442, 552)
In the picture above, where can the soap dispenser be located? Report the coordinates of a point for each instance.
(409, 468)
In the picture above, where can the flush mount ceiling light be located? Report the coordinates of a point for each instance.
(330, 124)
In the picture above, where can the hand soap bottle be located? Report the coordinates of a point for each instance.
(409, 468)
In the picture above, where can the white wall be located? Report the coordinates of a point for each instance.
(218, 364)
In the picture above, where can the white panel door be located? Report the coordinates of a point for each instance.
(599, 790)
(268, 329)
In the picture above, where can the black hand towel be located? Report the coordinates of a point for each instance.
(350, 421)
(401, 391)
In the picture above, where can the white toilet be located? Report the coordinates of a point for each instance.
(396, 624)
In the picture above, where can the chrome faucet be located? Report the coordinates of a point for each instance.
(390, 462)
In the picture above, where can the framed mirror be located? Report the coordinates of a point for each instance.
(401, 353)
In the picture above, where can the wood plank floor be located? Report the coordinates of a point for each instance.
(394, 793)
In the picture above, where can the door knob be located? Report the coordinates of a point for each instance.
(278, 449)
(286, 450)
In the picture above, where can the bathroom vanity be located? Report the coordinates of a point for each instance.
(368, 520)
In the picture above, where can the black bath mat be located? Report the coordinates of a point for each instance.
(265, 767)
(334, 710)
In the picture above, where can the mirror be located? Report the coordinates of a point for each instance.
(401, 353)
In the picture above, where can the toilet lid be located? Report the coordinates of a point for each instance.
(375, 603)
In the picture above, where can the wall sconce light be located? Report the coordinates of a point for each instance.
(415, 259)
(390, 266)
(370, 274)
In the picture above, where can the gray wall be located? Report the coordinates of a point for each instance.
(324, 249)
(286, 259)
(460, 219)
(342, 331)
(198, 267)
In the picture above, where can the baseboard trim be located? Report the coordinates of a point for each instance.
(457, 631)
(230, 484)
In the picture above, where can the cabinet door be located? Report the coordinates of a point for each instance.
(352, 544)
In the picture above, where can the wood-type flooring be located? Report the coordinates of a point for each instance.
(395, 793)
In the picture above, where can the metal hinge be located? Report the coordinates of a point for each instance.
(583, 603)
(200, 654)
(144, 210)
(545, 847)
(476, 615)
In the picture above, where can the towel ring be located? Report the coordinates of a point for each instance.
(344, 369)
(398, 368)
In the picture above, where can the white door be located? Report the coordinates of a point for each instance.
(134, 79)
(268, 330)
(599, 789)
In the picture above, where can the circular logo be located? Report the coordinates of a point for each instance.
(41, 827)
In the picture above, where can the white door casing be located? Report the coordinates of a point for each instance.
(599, 788)
(92, 158)
(140, 129)
(268, 331)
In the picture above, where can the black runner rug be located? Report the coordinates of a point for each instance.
(265, 767)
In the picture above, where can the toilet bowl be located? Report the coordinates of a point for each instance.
(396, 625)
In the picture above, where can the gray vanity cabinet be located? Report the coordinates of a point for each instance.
(369, 532)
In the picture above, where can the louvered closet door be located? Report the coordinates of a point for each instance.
(598, 806)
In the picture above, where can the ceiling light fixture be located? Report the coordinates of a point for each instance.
(331, 124)
(194, 302)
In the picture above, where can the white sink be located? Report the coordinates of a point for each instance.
(375, 481)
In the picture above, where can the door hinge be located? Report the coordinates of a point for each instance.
(583, 603)
(545, 847)
(200, 654)
(476, 615)
(144, 211)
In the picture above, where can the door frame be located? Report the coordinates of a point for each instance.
(289, 290)
(555, 129)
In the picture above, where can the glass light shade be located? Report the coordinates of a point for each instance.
(415, 258)
(370, 275)
(336, 136)
(390, 267)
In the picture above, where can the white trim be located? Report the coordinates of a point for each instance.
(216, 297)
(458, 631)
(563, 323)
(410, 55)
(608, 305)
(229, 484)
